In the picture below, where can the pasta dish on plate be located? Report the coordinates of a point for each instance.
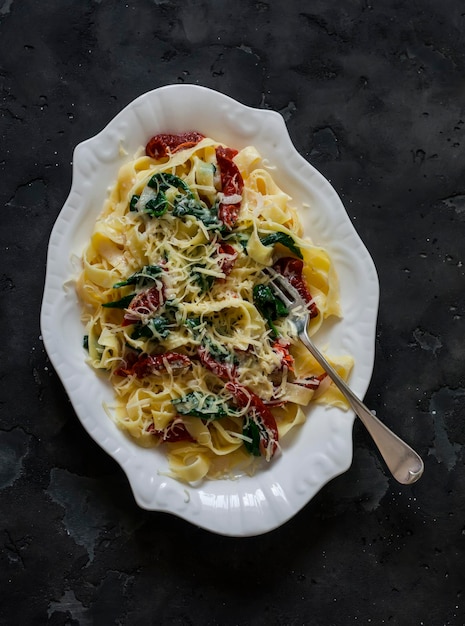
(180, 316)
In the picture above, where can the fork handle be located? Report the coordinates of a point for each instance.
(404, 463)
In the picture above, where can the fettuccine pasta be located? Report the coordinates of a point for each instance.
(199, 349)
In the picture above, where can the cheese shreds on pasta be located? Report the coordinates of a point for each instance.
(199, 349)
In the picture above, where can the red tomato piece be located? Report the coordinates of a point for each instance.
(174, 432)
(164, 144)
(291, 269)
(269, 437)
(144, 303)
(282, 348)
(125, 369)
(145, 365)
(232, 185)
(227, 262)
(225, 371)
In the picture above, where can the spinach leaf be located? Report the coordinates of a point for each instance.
(243, 240)
(193, 324)
(204, 281)
(251, 430)
(157, 203)
(142, 277)
(162, 181)
(185, 205)
(218, 351)
(206, 406)
(157, 327)
(285, 240)
(185, 202)
(122, 303)
(133, 202)
(156, 207)
(269, 305)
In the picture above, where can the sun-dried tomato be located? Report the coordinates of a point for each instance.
(222, 369)
(144, 303)
(125, 369)
(291, 269)
(227, 261)
(232, 185)
(163, 144)
(147, 364)
(269, 435)
(174, 432)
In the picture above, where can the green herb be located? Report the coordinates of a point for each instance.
(217, 350)
(269, 305)
(285, 240)
(188, 205)
(133, 202)
(252, 432)
(172, 305)
(204, 281)
(141, 331)
(156, 207)
(160, 326)
(85, 342)
(206, 406)
(193, 324)
(185, 203)
(122, 303)
(157, 327)
(243, 240)
(142, 277)
(161, 182)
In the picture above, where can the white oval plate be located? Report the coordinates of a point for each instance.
(322, 447)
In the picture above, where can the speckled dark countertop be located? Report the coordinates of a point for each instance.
(373, 95)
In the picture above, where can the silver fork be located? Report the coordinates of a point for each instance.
(403, 462)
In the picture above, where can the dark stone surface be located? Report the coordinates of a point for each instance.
(373, 95)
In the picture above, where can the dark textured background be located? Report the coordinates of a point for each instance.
(374, 97)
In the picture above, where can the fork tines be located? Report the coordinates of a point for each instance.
(287, 292)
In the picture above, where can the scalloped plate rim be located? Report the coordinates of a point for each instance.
(250, 505)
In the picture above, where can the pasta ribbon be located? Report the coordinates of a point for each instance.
(181, 317)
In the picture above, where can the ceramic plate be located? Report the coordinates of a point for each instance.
(322, 447)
